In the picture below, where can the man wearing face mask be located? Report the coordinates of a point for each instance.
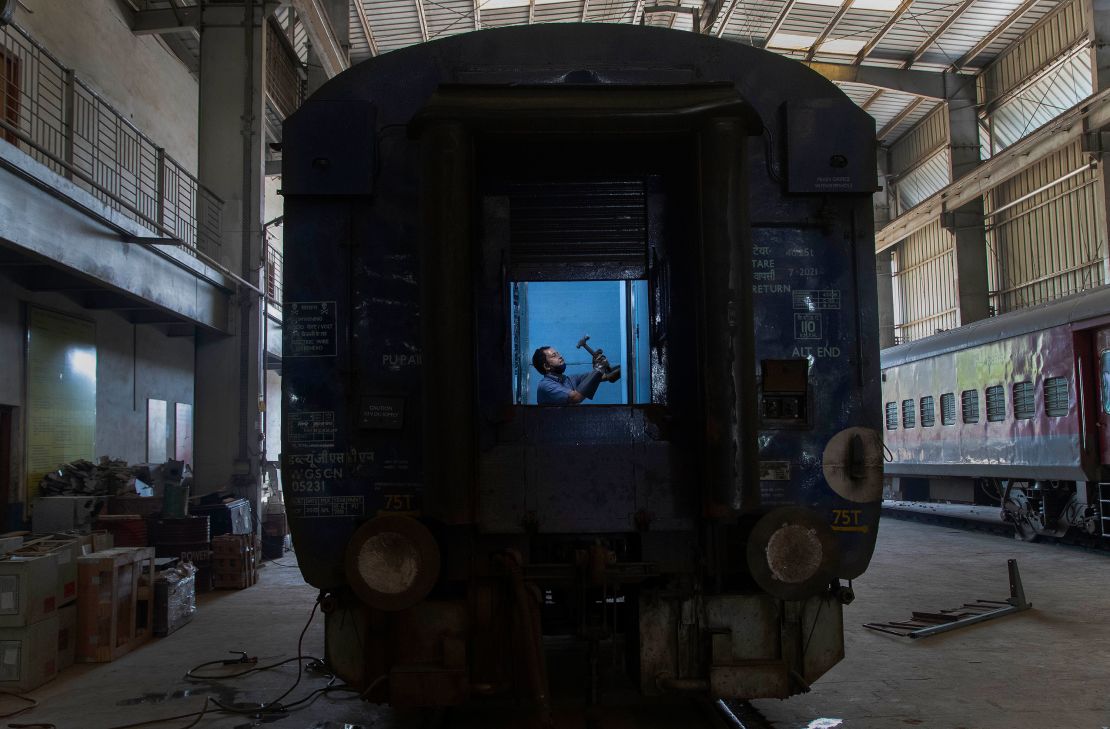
(557, 388)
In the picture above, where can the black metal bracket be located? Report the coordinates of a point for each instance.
(924, 624)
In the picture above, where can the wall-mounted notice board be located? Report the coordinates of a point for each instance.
(61, 392)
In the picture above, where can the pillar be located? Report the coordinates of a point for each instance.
(1097, 18)
(229, 378)
(967, 223)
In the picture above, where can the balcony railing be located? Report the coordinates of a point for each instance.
(57, 119)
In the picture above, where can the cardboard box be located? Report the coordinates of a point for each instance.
(28, 589)
(9, 543)
(67, 636)
(62, 513)
(29, 655)
(65, 552)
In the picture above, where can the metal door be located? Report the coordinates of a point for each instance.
(1102, 401)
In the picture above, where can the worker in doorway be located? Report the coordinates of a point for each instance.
(557, 388)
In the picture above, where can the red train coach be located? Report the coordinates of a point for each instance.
(1012, 411)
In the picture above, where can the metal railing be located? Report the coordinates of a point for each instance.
(58, 120)
(284, 82)
(273, 275)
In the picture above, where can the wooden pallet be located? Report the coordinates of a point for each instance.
(114, 602)
(235, 561)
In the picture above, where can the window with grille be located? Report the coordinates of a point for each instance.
(948, 409)
(892, 416)
(909, 416)
(1024, 406)
(996, 404)
(970, 400)
(1056, 397)
(928, 418)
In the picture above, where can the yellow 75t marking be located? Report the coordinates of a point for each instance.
(848, 520)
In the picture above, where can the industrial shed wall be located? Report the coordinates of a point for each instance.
(925, 283)
(137, 74)
(134, 363)
(1044, 43)
(1049, 245)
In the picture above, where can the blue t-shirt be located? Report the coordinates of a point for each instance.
(556, 389)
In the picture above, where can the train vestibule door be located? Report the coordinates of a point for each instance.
(1102, 375)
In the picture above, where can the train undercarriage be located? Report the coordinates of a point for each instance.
(1033, 508)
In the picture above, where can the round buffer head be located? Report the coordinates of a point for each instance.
(792, 553)
(392, 562)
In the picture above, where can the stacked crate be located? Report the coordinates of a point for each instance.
(114, 595)
(28, 620)
(235, 561)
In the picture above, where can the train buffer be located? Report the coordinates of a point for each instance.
(924, 624)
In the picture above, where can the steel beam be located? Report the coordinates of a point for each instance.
(168, 20)
(900, 117)
(829, 27)
(941, 29)
(1091, 116)
(423, 20)
(364, 24)
(325, 42)
(727, 19)
(779, 20)
(1098, 23)
(990, 37)
(871, 99)
(881, 32)
(930, 84)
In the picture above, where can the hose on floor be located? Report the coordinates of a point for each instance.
(31, 703)
(258, 710)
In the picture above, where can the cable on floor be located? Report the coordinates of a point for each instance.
(198, 714)
(31, 703)
(275, 707)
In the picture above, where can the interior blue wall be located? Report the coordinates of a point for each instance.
(558, 314)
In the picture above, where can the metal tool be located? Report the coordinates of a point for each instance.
(608, 369)
(923, 624)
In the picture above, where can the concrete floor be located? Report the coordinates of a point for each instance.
(1048, 668)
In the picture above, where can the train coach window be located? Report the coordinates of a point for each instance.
(1056, 397)
(892, 416)
(996, 404)
(909, 418)
(577, 318)
(1024, 405)
(928, 416)
(948, 409)
(970, 399)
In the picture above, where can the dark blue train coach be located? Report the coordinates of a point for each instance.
(701, 210)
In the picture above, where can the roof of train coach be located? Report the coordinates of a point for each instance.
(1066, 310)
(590, 54)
